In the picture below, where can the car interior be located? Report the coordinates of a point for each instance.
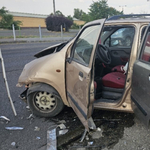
(111, 62)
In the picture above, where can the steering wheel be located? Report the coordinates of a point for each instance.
(103, 54)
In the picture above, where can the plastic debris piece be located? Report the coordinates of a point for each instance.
(27, 107)
(62, 126)
(87, 137)
(51, 139)
(5, 118)
(31, 116)
(98, 129)
(14, 128)
(90, 143)
(36, 128)
(62, 132)
(38, 138)
(13, 143)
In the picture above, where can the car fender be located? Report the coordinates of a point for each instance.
(41, 87)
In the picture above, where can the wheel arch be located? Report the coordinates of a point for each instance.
(42, 87)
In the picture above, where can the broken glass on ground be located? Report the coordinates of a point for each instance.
(14, 128)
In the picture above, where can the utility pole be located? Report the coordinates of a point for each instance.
(123, 7)
(54, 6)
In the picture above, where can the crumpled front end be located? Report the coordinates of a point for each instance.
(48, 69)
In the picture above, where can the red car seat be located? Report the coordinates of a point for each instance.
(113, 85)
(114, 80)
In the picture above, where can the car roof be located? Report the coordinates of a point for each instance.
(129, 18)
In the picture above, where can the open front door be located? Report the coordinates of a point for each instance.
(141, 81)
(79, 75)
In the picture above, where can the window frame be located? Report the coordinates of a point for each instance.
(74, 45)
(143, 43)
(119, 27)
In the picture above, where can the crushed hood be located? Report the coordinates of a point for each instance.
(50, 50)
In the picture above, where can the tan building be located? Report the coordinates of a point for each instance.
(78, 22)
(29, 20)
(35, 20)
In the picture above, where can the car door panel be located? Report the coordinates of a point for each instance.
(79, 73)
(141, 82)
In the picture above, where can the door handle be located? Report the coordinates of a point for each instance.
(149, 77)
(81, 74)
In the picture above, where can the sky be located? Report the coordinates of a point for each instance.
(67, 6)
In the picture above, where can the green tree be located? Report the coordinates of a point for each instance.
(81, 15)
(7, 20)
(78, 13)
(59, 13)
(100, 9)
(70, 18)
(3, 11)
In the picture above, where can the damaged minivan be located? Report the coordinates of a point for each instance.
(105, 66)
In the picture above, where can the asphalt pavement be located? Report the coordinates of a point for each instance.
(126, 135)
(15, 57)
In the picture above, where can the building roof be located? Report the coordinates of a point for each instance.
(21, 14)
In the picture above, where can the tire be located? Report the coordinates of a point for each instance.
(44, 104)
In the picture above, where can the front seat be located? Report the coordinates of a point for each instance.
(113, 85)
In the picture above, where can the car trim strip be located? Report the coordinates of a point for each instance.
(77, 105)
(138, 105)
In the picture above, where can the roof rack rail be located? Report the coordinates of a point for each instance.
(127, 16)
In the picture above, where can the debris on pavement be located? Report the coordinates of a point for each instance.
(90, 143)
(5, 118)
(109, 120)
(62, 126)
(38, 138)
(96, 134)
(62, 132)
(28, 108)
(31, 116)
(13, 143)
(51, 139)
(36, 128)
(62, 121)
(87, 137)
(98, 129)
(14, 128)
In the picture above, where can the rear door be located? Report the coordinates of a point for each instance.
(80, 90)
(141, 81)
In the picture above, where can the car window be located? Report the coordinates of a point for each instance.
(145, 56)
(122, 37)
(84, 44)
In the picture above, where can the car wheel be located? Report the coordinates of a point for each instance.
(128, 41)
(45, 104)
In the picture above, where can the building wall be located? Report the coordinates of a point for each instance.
(79, 22)
(29, 22)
